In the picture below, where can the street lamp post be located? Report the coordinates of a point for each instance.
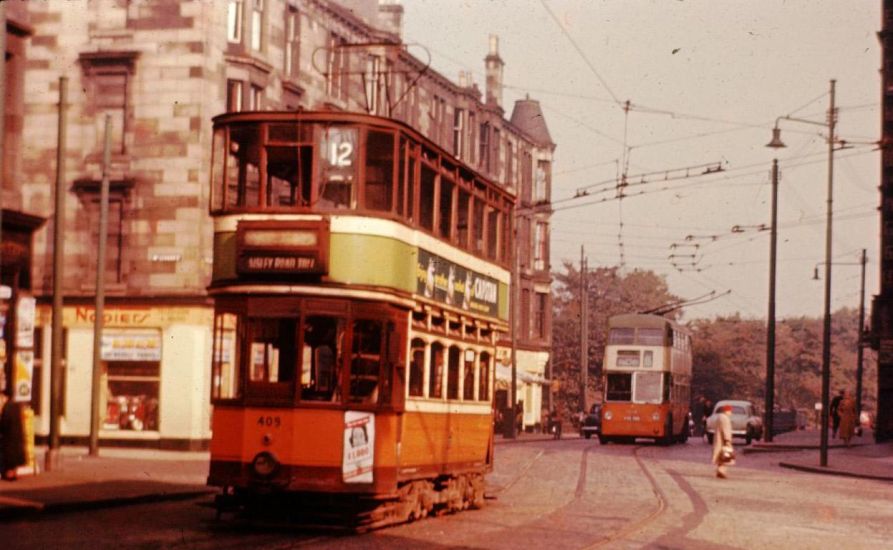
(770, 324)
(826, 327)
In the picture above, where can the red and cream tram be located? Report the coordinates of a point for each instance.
(647, 368)
(361, 282)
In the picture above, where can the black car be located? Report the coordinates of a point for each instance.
(592, 423)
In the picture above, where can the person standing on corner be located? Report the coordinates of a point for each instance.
(12, 438)
(835, 413)
(846, 411)
(723, 452)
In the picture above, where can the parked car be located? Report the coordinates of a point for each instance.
(592, 422)
(746, 422)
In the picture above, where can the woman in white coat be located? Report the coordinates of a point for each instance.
(723, 452)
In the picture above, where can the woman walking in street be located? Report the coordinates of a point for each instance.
(723, 452)
(847, 411)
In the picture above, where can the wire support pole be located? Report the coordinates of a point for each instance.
(826, 327)
(860, 345)
(770, 323)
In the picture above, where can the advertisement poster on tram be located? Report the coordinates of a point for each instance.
(359, 447)
(452, 284)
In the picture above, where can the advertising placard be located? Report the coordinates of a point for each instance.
(452, 284)
(24, 375)
(359, 447)
(25, 313)
(131, 345)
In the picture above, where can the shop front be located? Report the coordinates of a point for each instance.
(155, 379)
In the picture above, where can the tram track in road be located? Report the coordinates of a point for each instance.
(642, 522)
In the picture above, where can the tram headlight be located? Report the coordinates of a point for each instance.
(655, 416)
(265, 464)
(609, 415)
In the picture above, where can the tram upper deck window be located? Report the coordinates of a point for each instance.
(477, 223)
(650, 337)
(338, 167)
(379, 171)
(426, 197)
(321, 359)
(446, 207)
(462, 218)
(242, 186)
(271, 350)
(622, 335)
(619, 386)
(225, 360)
(289, 171)
(494, 218)
(365, 361)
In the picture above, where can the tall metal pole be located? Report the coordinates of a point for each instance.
(56, 373)
(770, 324)
(584, 330)
(515, 293)
(826, 332)
(859, 346)
(96, 387)
(2, 123)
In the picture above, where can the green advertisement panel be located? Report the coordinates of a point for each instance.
(452, 284)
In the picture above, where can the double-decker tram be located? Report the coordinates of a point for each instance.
(360, 281)
(647, 380)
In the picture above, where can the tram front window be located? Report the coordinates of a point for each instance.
(619, 387)
(320, 372)
(271, 351)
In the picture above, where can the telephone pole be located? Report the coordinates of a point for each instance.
(584, 329)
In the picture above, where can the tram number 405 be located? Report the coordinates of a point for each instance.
(269, 421)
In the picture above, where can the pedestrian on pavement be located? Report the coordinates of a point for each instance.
(723, 451)
(846, 410)
(708, 410)
(835, 413)
(555, 423)
(12, 438)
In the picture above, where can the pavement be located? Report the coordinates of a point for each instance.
(119, 477)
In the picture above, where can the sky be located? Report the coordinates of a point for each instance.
(705, 81)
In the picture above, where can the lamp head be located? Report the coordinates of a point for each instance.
(776, 142)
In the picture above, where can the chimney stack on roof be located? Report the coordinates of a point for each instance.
(494, 64)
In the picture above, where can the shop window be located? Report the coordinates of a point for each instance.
(417, 369)
(289, 173)
(435, 371)
(226, 383)
(468, 376)
(321, 359)
(338, 149)
(271, 350)
(426, 198)
(619, 387)
(484, 377)
(365, 362)
(131, 395)
(446, 207)
(379, 171)
(453, 364)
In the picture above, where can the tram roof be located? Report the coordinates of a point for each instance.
(642, 320)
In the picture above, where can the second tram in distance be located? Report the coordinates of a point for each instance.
(647, 369)
(360, 280)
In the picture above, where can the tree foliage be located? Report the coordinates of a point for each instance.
(729, 355)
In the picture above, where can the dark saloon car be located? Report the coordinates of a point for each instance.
(592, 422)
